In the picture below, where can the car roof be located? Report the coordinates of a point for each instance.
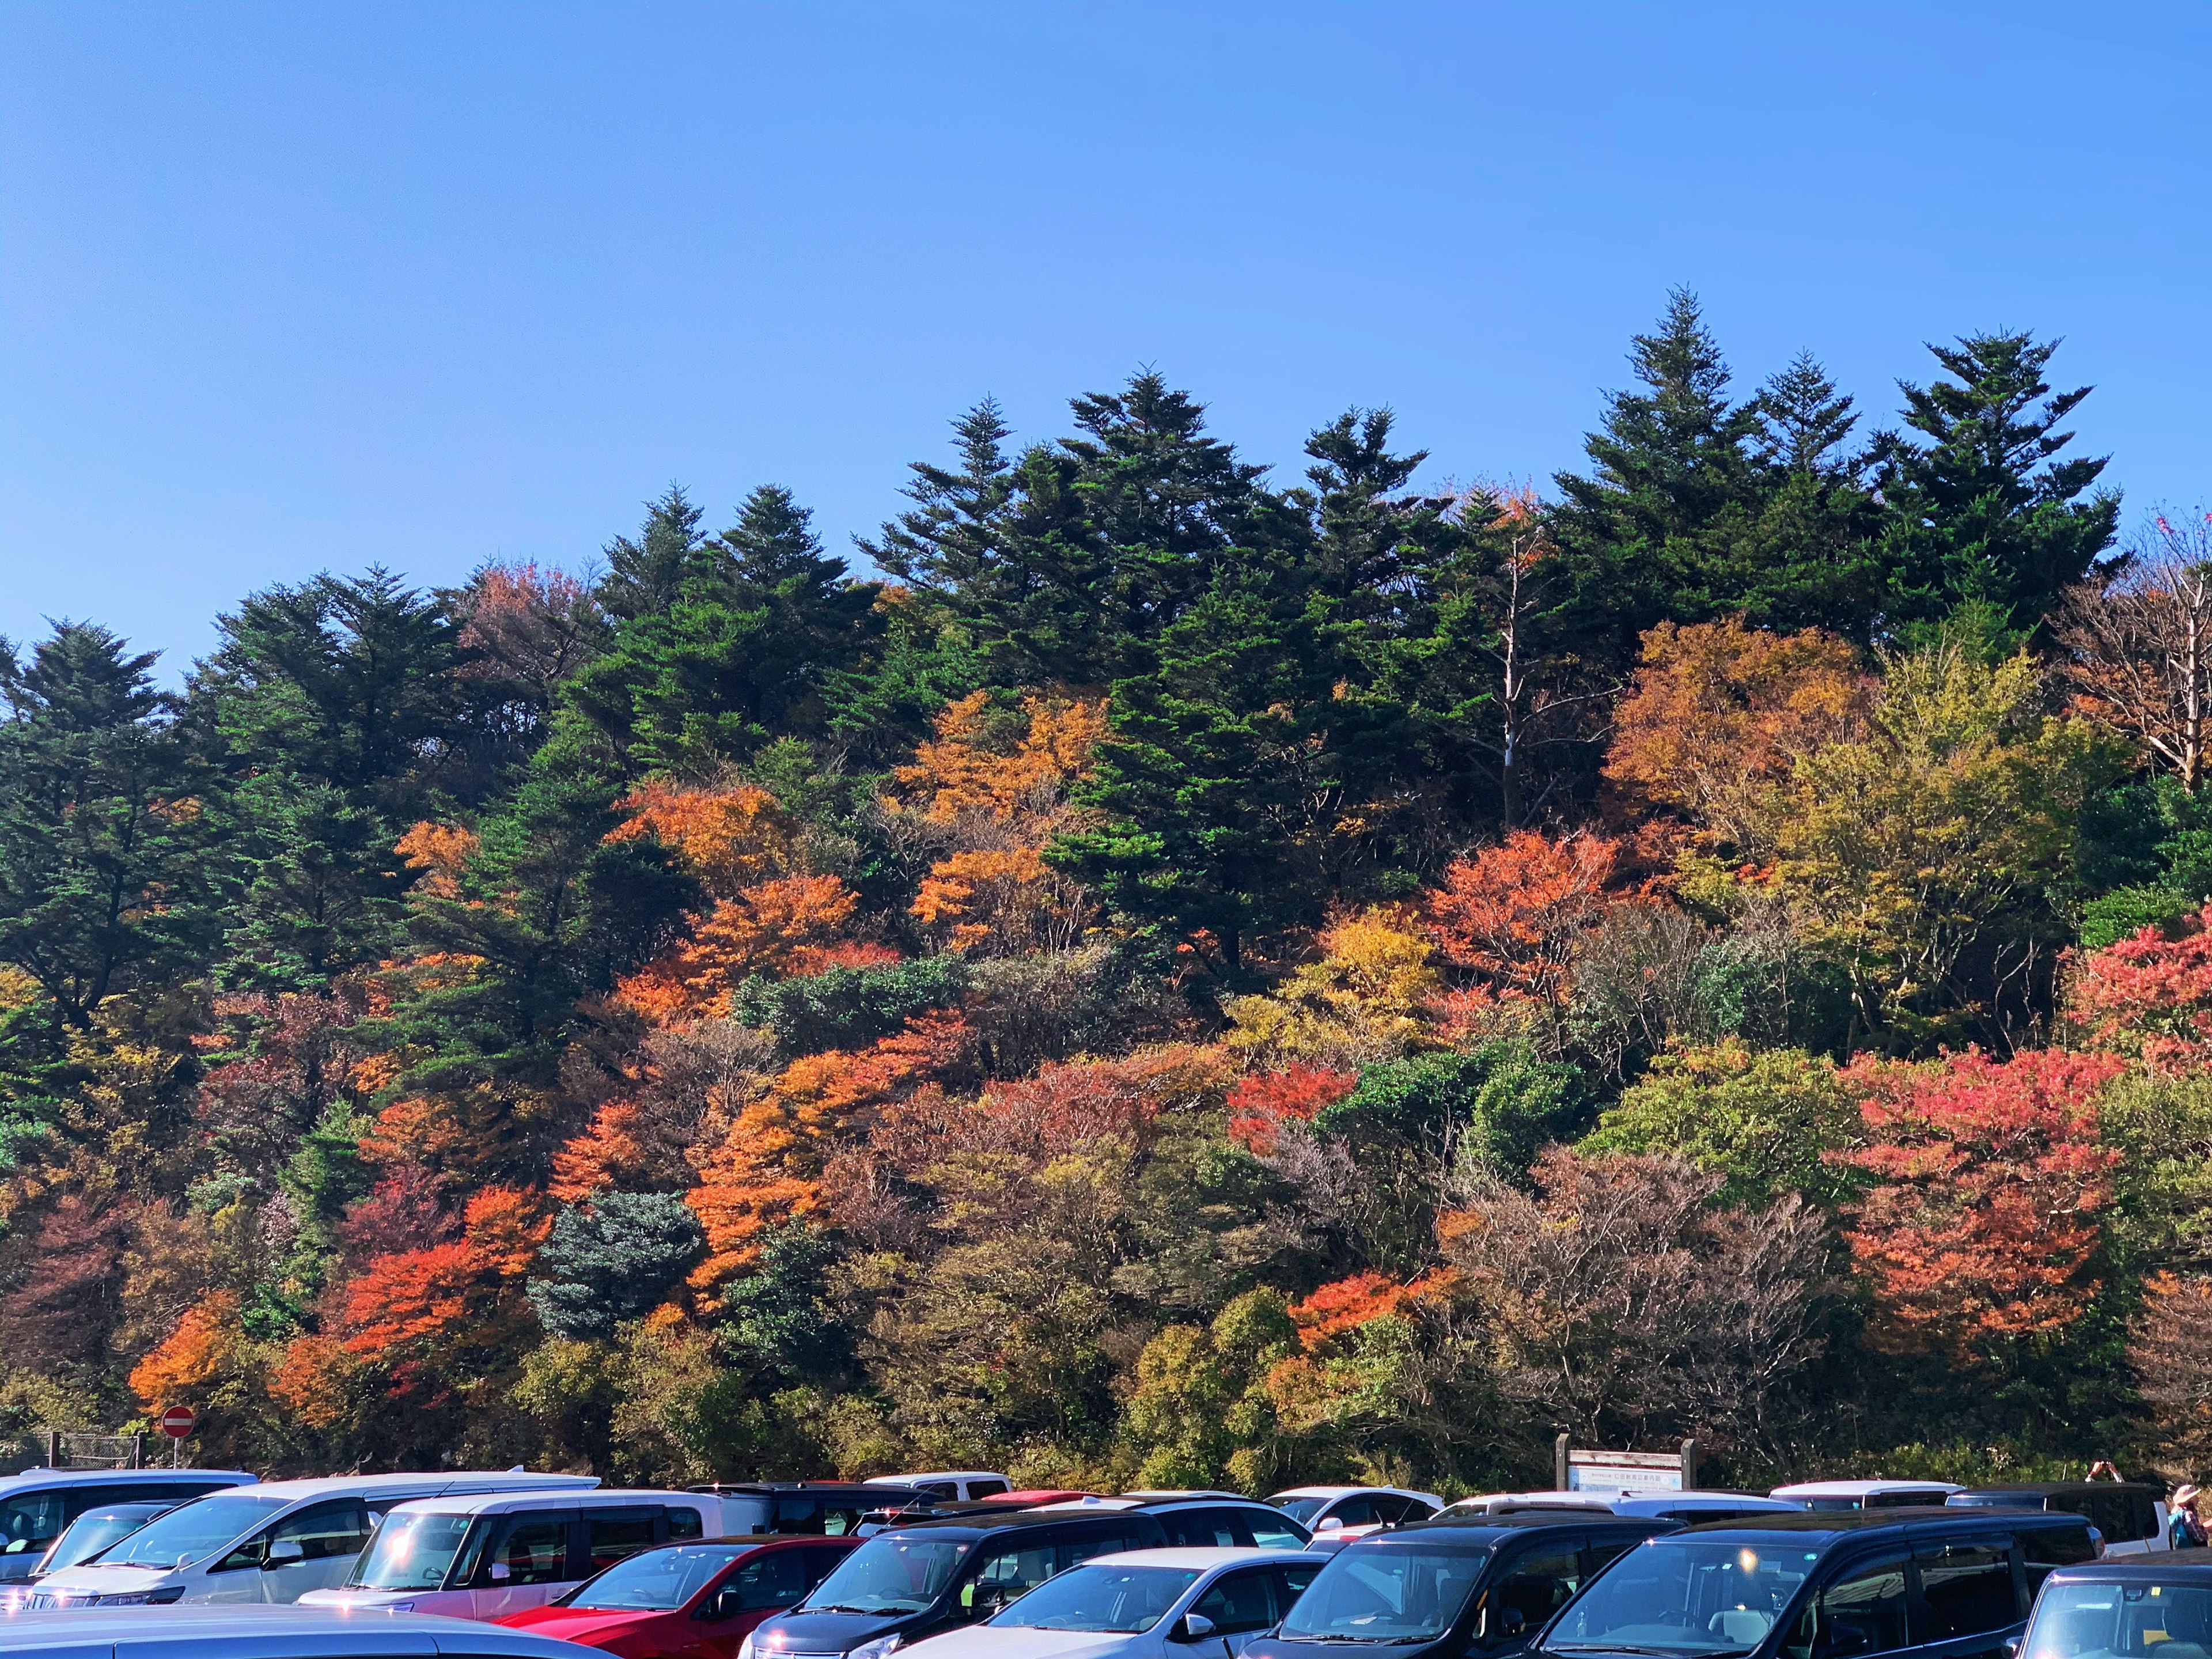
(2195, 1562)
(35, 1479)
(1162, 1494)
(868, 1488)
(934, 1475)
(1201, 1557)
(1015, 1520)
(430, 1484)
(1324, 1491)
(263, 1632)
(1859, 1488)
(1521, 1520)
(1921, 1514)
(508, 1502)
(2059, 1488)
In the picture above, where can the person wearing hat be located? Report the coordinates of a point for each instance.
(2186, 1529)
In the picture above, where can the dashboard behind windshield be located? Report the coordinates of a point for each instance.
(1696, 1598)
(889, 1574)
(1385, 1595)
(193, 1532)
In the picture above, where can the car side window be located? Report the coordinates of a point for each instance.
(798, 1514)
(820, 1563)
(774, 1578)
(1076, 1551)
(1238, 1602)
(534, 1550)
(616, 1534)
(1355, 1512)
(682, 1523)
(1289, 1584)
(987, 1488)
(1273, 1533)
(1198, 1528)
(1604, 1547)
(1540, 1583)
(1861, 1612)
(30, 1521)
(1966, 1584)
(1418, 1509)
(937, 1489)
(2042, 1548)
(1010, 1573)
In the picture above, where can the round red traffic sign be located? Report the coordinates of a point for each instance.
(178, 1421)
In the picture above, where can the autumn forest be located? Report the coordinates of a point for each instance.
(1162, 970)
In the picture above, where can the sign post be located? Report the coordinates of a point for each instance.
(1577, 1470)
(177, 1423)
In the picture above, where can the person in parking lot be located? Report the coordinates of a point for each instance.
(2185, 1528)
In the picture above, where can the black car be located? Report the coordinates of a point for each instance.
(1439, 1589)
(1934, 1584)
(2128, 1609)
(834, 1508)
(912, 1582)
(2130, 1515)
(1200, 1520)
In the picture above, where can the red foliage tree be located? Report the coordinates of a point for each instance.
(462, 1293)
(2150, 996)
(1261, 1104)
(1987, 1182)
(1513, 913)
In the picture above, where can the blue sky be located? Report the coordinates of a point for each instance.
(298, 286)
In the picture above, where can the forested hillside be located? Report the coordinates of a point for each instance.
(1204, 974)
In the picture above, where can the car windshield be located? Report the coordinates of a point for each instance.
(92, 1533)
(1694, 1596)
(411, 1552)
(655, 1581)
(1300, 1510)
(888, 1574)
(1123, 1600)
(2130, 1619)
(1385, 1595)
(192, 1531)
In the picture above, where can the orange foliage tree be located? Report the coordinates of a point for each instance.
(1261, 1104)
(451, 1300)
(1345, 1305)
(1987, 1181)
(990, 808)
(1514, 913)
(1719, 712)
(2150, 996)
(204, 1351)
(768, 1168)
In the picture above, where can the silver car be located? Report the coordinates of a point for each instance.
(267, 1632)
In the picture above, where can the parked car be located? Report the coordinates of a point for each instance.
(271, 1542)
(1687, 1507)
(917, 1581)
(2130, 1516)
(959, 1484)
(2126, 1609)
(818, 1509)
(486, 1555)
(37, 1505)
(697, 1598)
(265, 1633)
(82, 1539)
(1325, 1509)
(1204, 1520)
(1827, 1495)
(1143, 1604)
(1444, 1590)
(1933, 1583)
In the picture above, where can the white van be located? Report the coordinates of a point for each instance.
(36, 1505)
(486, 1557)
(954, 1485)
(271, 1542)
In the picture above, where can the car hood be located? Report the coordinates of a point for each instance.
(585, 1624)
(826, 1632)
(1025, 1642)
(93, 1580)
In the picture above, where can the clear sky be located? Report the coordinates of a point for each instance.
(305, 286)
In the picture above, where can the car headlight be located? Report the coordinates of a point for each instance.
(882, 1648)
(745, 1647)
(153, 1598)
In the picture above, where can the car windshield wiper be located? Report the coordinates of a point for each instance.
(1362, 1641)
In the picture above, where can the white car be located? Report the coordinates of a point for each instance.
(1688, 1507)
(1865, 1494)
(272, 1542)
(267, 1633)
(961, 1485)
(1335, 1509)
(487, 1556)
(1141, 1604)
(37, 1505)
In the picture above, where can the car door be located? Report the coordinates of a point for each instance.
(30, 1521)
(763, 1584)
(1240, 1605)
(1864, 1609)
(1010, 1569)
(1535, 1584)
(311, 1548)
(525, 1565)
(1970, 1596)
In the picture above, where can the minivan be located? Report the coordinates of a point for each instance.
(1441, 1589)
(2130, 1608)
(912, 1582)
(37, 1503)
(819, 1509)
(1200, 1520)
(1934, 1583)
(956, 1485)
(2130, 1516)
(490, 1554)
(271, 1542)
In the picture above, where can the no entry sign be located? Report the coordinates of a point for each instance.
(178, 1421)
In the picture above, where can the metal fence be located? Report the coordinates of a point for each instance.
(61, 1449)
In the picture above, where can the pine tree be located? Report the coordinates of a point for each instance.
(1982, 512)
(647, 576)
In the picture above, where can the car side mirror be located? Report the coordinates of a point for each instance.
(1331, 1523)
(1512, 1622)
(499, 1572)
(727, 1602)
(1844, 1638)
(1193, 1628)
(282, 1552)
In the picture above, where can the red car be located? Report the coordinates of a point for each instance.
(696, 1600)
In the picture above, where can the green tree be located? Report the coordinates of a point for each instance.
(1983, 510)
(612, 1260)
